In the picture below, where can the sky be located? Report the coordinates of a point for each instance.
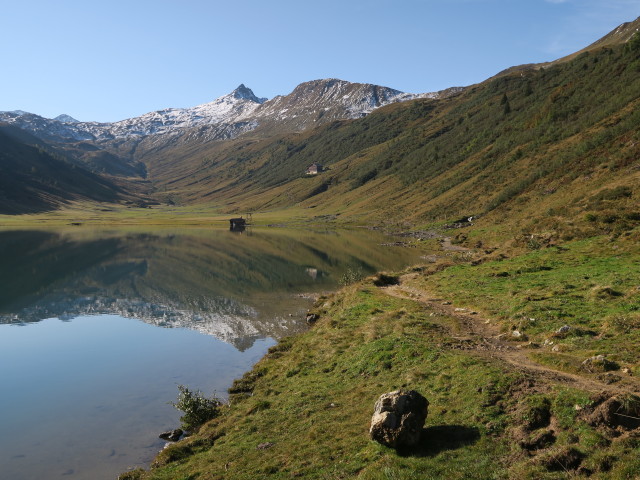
(110, 60)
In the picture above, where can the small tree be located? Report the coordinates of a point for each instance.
(197, 408)
(507, 108)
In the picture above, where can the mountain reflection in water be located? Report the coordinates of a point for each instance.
(237, 288)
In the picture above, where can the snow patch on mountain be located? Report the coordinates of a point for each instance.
(227, 109)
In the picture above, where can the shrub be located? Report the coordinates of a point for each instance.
(534, 244)
(351, 276)
(197, 408)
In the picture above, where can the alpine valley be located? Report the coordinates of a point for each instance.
(521, 324)
(387, 155)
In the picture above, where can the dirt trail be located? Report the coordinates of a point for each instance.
(480, 336)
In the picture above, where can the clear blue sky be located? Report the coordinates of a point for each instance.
(110, 60)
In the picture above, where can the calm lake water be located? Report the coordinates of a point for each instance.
(98, 327)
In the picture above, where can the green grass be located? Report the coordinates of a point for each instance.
(591, 285)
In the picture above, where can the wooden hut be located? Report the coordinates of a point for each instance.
(314, 169)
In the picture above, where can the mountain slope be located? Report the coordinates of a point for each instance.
(620, 35)
(34, 180)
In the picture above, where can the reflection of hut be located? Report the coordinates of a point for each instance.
(314, 169)
(237, 223)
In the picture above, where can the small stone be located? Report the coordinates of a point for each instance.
(627, 371)
(265, 445)
(312, 318)
(446, 303)
(516, 334)
(555, 348)
(459, 309)
(564, 329)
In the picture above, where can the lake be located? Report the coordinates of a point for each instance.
(98, 327)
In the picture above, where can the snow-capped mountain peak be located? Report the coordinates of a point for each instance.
(227, 109)
(246, 93)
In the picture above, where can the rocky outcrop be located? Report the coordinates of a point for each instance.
(398, 418)
(172, 435)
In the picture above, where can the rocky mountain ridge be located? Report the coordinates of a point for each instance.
(227, 116)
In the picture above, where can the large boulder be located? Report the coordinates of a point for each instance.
(398, 418)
